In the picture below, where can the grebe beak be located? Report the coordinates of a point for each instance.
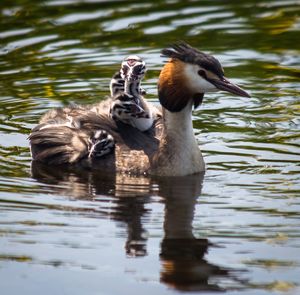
(226, 85)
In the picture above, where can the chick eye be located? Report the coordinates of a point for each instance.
(138, 69)
(202, 73)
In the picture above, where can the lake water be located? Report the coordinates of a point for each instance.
(234, 229)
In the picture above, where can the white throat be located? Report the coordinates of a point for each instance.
(179, 125)
(180, 145)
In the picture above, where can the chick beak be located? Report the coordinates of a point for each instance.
(226, 85)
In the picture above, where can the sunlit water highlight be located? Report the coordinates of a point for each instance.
(236, 229)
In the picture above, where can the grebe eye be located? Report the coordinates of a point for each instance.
(139, 69)
(202, 73)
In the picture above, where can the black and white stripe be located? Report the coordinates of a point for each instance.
(128, 105)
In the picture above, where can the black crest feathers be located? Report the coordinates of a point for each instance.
(188, 54)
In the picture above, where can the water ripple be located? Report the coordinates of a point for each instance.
(243, 216)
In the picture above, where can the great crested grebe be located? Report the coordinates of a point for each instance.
(91, 137)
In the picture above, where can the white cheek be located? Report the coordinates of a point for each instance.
(196, 82)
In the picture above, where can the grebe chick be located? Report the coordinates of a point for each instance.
(169, 148)
(91, 143)
(128, 104)
(117, 82)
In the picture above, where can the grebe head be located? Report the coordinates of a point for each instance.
(188, 75)
(133, 68)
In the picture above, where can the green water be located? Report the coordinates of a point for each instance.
(237, 229)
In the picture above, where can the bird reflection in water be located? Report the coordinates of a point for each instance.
(182, 255)
(127, 193)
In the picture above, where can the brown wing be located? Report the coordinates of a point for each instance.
(63, 138)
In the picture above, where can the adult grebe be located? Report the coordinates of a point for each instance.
(168, 148)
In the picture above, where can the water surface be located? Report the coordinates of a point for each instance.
(234, 229)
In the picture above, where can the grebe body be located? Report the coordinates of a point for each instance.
(167, 148)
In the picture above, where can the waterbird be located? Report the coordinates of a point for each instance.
(131, 107)
(126, 105)
(167, 148)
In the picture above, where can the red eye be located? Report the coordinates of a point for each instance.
(202, 73)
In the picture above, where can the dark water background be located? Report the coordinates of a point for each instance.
(237, 229)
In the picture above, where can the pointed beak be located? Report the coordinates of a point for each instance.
(226, 85)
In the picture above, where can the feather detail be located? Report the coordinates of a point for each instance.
(172, 91)
(188, 54)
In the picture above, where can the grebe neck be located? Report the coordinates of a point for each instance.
(179, 133)
(178, 153)
(133, 88)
